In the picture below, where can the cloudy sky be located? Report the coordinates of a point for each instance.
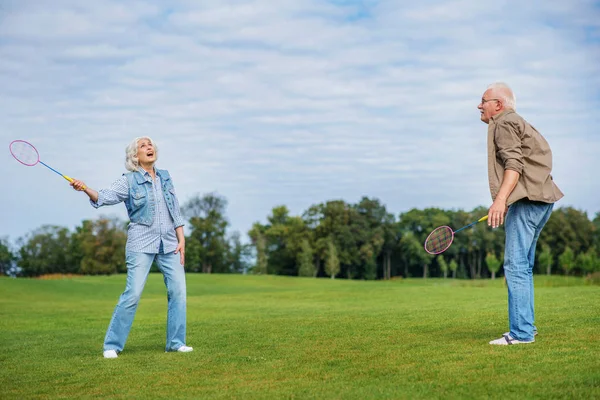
(290, 102)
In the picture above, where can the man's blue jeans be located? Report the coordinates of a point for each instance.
(138, 267)
(524, 223)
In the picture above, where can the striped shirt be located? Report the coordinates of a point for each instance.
(142, 238)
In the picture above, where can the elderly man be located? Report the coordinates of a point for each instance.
(519, 166)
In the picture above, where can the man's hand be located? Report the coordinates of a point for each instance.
(497, 212)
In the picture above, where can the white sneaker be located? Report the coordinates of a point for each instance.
(110, 354)
(506, 339)
(185, 349)
(508, 333)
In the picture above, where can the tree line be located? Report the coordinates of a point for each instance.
(333, 239)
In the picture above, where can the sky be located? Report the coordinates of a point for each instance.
(288, 102)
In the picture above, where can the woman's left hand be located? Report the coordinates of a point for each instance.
(181, 250)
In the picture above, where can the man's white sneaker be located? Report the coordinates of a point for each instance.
(508, 333)
(110, 354)
(506, 339)
(185, 349)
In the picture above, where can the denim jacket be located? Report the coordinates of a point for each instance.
(140, 203)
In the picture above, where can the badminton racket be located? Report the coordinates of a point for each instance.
(26, 153)
(440, 239)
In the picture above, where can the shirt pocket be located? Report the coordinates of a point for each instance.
(138, 198)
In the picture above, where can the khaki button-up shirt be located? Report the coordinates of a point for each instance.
(516, 145)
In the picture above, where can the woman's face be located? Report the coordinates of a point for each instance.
(146, 153)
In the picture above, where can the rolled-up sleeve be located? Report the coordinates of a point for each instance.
(116, 193)
(508, 145)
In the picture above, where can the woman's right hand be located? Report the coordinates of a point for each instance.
(78, 185)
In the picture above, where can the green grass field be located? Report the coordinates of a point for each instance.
(280, 337)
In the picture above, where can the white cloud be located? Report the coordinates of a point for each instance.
(291, 102)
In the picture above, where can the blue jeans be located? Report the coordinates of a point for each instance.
(138, 267)
(524, 223)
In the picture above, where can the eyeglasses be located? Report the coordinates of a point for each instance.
(483, 101)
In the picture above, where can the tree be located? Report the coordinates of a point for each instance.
(239, 254)
(305, 260)
(340, 222)
(207, 219)
(6, 257)
(453, 266)
(546, 259)
(493, 264)
(43, 252)
(568, 227)
(595, 260)
(567, 260)
(596, 233)
(376, 236)
(414, 255)
(588, 262)
(320, 248)
(262, 257)
(98, 247)
(410, 250)
(415, 225)
(443, 265)
(285, 234)
(193, 255)
(332, 263)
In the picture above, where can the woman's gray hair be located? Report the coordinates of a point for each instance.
(506, 94)
(131, 160)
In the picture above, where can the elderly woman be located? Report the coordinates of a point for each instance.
(155, 233)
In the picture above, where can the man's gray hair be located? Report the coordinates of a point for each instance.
(131, 160)
(506, 94)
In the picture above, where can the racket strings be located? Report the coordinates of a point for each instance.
(439, 240)
(24, 153)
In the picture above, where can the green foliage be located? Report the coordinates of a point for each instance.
(210, 251)
(589, 261)
(239, 254)
(596, 233)
(6, 256)
(332, 262)
(262, 257)
(100, 245)
(569, 227)
(546, 259)
(305, 260)
(43, 252)
(443, 265)
(285, 235)
(370, 243)
(493, 264)
(567, 260)
(414, 254)
(453, 266)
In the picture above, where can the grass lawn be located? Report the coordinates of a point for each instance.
(282, 337)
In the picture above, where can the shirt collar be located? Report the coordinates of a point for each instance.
(496, 117)
(146, 174)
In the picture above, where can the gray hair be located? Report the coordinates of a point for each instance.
(131, 159)
(506, 94)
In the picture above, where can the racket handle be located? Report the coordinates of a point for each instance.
(472, 223)
(71, 180)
